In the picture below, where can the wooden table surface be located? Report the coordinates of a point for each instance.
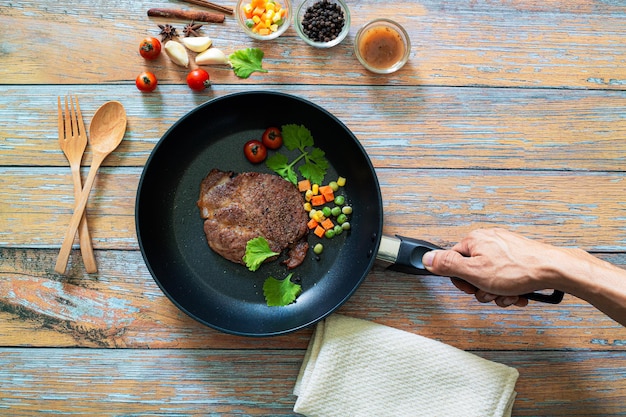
(508, 113)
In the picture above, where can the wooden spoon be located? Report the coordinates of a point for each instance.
(106, 132)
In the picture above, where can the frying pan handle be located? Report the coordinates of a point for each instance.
(409, 260)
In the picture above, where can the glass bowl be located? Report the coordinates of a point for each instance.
(299, 16)
(247, 23)
(382, 46)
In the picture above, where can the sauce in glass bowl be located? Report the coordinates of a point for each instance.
(382, 46)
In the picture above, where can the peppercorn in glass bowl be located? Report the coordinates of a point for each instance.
(322, 23)
(264, 19)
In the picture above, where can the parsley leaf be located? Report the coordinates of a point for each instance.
(315, 163)
(246, 61)
(279, 293)
(296, 137)
(257, 251)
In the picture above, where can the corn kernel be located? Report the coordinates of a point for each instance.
(273, 28)
(341, 181)
(270, 6)
(308, 207)
(319, 216)
(308, 194)
(256, 19)
(269, 14)
(316, 189)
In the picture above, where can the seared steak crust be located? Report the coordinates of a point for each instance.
(237, 208)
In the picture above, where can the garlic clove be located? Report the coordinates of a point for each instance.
(197, 44)
(212, 56)
(177, 53)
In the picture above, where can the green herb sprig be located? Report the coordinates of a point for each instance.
(279, 293)
(246, 61)
(257, 251)
(315, 163)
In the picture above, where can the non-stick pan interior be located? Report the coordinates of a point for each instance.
(213, 290)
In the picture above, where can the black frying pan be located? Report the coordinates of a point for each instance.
(225, 295)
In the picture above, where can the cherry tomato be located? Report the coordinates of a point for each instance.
(146, 81)
(255, 151)
(272, 138)
(198, 80)
(150, 48)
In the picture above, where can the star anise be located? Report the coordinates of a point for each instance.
(167, 32)
(190, 29)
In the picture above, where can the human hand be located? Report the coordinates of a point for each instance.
(496, 265)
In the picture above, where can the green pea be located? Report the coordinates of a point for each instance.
(333, 185)
(327, 212)
(338, 230)
(345, 226)
(335, 211)
(330, 233)
(318, 249)
(346, 210)
(342, 218)
(340, 200)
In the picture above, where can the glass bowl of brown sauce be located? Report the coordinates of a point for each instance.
(382, 46)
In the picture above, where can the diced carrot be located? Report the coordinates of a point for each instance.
(312, 224)
(319, 231)
(318, 200)
(304, 185)
(264, 31)
(327, 192)
(328, 224)
(258, 11)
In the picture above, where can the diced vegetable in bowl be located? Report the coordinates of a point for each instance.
(264, 19)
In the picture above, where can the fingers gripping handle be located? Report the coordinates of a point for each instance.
(409, 260)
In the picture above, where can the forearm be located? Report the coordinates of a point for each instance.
(598, 282)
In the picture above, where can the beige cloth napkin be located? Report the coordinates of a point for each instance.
(355, 368)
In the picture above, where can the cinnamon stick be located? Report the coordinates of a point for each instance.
(194, 15)
(210, 5)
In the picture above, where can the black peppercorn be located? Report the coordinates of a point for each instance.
(323, 21)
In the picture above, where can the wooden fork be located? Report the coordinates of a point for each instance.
(73, 141)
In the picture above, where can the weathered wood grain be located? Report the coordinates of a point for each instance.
(464, 43)
(399, 127)
(508, 113)
(123, 307)
(113, 382)
(566, 208)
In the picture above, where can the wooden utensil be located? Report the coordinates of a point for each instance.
(106, 132)
(73, 141)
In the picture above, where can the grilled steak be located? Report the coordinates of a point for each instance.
(237, 208)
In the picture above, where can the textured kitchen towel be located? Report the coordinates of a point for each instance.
(356, 368)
